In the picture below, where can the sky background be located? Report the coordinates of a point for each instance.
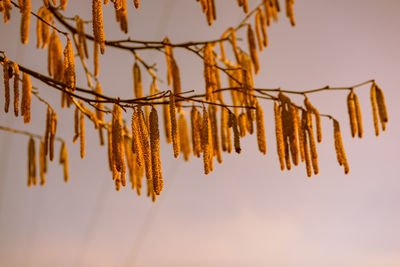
(247, 212)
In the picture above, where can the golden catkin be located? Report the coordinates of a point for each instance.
(57, 58)
(137, 81)
(32, 179)
(136, 3)
(117, 142)
(47, 16)
(214, 133)
(53, 128)
(351, 109)
(289, 11)
(25, 9)
(315, 111)
(98, 27)
(63, 4)
(6, 10)
(300, 135)
(76, 125)
(16, 88)
(358, 116)
(167, 123)
(174, 126)
(261, 139)
(184, 137)
(6, 78)
(96, 58)
(195, 120)
(168, 57)
(82, 134)
(234, 44)
(294, 138)
(286, 125)
(252, 48)
(82, 44)
(263, 23)
(69, 65)
(382, 111)
(205, 142)
(64, 161)
(136, 143)
(304, 142)
(26, 97)
(242, 124)
(374, 105)
(236, 137)
(109, 149)
(341, 155)
(39, 25)
(155, 152)
(210, 12)
(224, 127)
(258, 29)
(208, 73)
(176, 80)
(313, 146)
(245, 7)
(42, 164)
(144, 143)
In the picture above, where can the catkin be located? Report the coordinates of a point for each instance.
(236, 137)
(294, 140)
(261, 139)
(117, 142)
(258, 30)
(299, 133)
(224, 127)
(25, 8)
(263, 23)
(242, 124)
(76, 125)
(195, 120)
(382, 111)
(39, 25)
(315, 111)
(289, 11)
(136, 143)
(176, 80)
(7, 8)
(57, 58)
(304, 143)
(313, 147)
(174, 126)
(351, 109)
(155, 152)
(109, 149)
(42, 164)
(137, 81)
(26, 97)
(63, 4)
(144, 142)
(82, 134)
(47, 131)
(167, 123)
(96, 58)
(184, 137)
(358, 116)
(136, 3)
(6, 78)
(64, 161)
(168, 57)
(205, 142)
(16, 88)
(47, 16)
(340, 153)
(53, 128)
(214, 133)
(32, 179)
(252, 48)
(374, 108)
(234, 44)
(98, 27)
(69, 65)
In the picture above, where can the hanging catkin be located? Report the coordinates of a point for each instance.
(69, 65)
(214, 130)
(98, 27)
(234, 44)
(242, 124)
(313, 146)
(263, 23)
(63, 4)
(26, 97)
(82, 44)
(294, 139)
(351, 109)
(167, 123)
(358, 116)
(252, 48)
(155, 152)
(144, 142)
(47, 16)
(340, 153)
(195, 118)
(174, 126)
(168, 57)
(236, 137)
(176, 81)
(64, 161)
(137, 81)
(96, 58)
(39, 25)
(7, 8)
(136, 143)
(258, 29)
(31, 163)
(374, 108)
(184, 137)
(380, 99)
(117, 142)
(6, 78)
(289, 11)
(304, 143)
(53, 128)
(82, 133)
(76, 125)
(16, 88)
(57, 63)
(136, 3)
(261, 139)
(42, 164)
(205, 142)
(25, 8)
(296, 117)
(315, 111)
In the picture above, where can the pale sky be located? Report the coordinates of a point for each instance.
(247, 212)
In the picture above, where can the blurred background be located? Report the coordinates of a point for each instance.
(247, 212)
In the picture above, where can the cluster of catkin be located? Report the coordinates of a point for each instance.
(42, 160)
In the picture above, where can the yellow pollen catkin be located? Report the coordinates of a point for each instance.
(167, 123)
(42, 164)
(16, 88)
(351, 109)
(82, 134)
(6, 10)
(205, 142)
(144, 142)
(45, 28)
(117, 142)
(214, 132)
(289, 11)
(53, 128)
(294, 140)
(137, 81)
(382, 111)
(47, 131)
(358, 116)
(258, 30)
(176, 80)
(98, 27)
(32, 179)
(374, 108)
(96, 58)
(184, 137)
(26, 97)
(242, 124)
(25, 8)
(174, 126)
(64, 161)
(261, 139)
(136, 143)
(252, 48)
(155, 152)
(313, 146)
(136, 3)
(314, 111)
(263, 23)
(196, 131)
(69, 65)
(236, 137)
(168, 57)
(341, 155)
(6, 78)
(304, 143)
